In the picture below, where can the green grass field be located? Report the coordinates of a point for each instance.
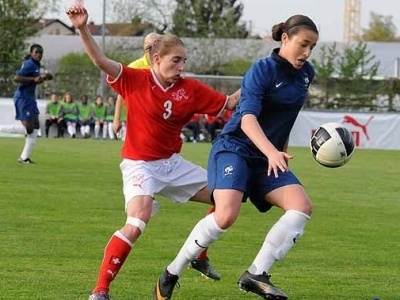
(57, 215)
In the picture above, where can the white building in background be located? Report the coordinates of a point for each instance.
(53, 27)
(56, 46)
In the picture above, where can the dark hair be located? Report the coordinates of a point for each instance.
(292, 26)
(35, 46)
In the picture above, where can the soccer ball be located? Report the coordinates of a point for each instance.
(332, 145)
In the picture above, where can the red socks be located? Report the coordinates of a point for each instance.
(115, 254)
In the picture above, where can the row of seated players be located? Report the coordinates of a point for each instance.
(69, 115)
(205, 128)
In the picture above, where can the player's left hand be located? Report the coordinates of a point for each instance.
(47, 76)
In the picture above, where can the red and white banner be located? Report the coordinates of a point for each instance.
(370, 130)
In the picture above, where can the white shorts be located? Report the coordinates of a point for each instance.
(173, 178)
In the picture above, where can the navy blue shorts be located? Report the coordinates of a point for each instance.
(70, 120)
(25, 110)
(229, 167)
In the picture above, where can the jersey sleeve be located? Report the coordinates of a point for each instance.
(127, 80)
(27, 69)
(208, 100)
(254, 86)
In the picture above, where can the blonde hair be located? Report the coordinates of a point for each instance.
(164, 43)
(149, 40)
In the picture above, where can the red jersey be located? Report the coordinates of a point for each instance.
(195, 118)
(156, 115)
(212, 119)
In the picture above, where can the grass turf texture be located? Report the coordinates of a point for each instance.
(57, 216)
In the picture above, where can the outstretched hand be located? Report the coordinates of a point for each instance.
(78, 15)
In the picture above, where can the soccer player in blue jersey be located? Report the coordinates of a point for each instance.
(28, 77)
(249, 160)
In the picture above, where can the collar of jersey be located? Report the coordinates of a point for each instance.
(34, 61)
(158, 82)
(281, 61)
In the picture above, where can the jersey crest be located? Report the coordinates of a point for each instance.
(179, 95)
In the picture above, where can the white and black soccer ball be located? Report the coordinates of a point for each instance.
(332, 145)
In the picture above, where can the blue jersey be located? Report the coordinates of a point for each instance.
(26, 90)
(274, 92)
(24, 97)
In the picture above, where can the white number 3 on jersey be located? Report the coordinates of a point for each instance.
(168, 109)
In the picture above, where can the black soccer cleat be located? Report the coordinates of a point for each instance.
(25, 161)
(205, 268)
(260, 285)
(165, 286)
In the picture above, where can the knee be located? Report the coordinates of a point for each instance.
(301, 204)
(307, 207)
(225, 220)
(133, 228)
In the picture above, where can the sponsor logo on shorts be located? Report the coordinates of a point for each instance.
(138, 180)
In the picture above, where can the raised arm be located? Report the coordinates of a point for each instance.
(79, 17)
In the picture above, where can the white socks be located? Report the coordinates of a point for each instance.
(104, 130)
(71, 129)
(96, 131)
(279, 240)
(30, 142)
(203, 234)
(110, 130)
(122, 133)
(85, 130)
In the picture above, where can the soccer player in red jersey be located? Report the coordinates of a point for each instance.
(159, 103)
